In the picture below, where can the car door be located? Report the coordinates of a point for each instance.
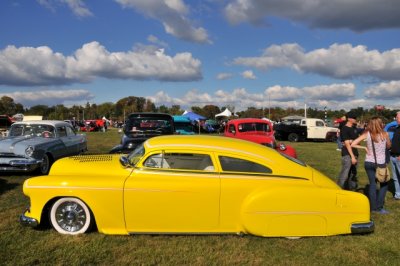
(173, 192)
(70, 142)
(320, 130)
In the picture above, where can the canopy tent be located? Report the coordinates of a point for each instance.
(226, 113)
(193, 116)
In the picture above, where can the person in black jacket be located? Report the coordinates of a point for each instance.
(395, 158)
(349, 155)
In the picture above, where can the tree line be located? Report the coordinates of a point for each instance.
(123, 107)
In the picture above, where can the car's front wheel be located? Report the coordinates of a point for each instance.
(70, 216)
(45, 165)
(293, 137)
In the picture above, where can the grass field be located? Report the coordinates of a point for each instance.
(25, 246)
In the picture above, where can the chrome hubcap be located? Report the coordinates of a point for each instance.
(70, 216)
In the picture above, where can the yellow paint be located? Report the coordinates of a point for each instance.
(293, 200)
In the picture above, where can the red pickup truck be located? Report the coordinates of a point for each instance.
(256, 130)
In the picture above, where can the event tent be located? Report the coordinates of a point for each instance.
(226, 113)
(193, 116)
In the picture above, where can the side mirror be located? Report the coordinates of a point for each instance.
(124, 161)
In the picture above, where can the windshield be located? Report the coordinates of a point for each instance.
(147, 124)
(46, 131)
(136, 154)
(246, 127)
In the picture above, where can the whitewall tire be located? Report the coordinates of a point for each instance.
(70, 216)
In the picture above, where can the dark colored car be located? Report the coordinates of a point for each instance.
(142, 126)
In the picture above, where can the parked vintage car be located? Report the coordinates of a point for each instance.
(194, 184)
(257, 130)
(35, 145)
(183, 125)
(142, 126)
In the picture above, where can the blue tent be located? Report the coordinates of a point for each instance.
(193, 116)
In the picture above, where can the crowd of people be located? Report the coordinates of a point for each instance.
(381, 149)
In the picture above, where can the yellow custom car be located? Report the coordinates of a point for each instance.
(197, 185)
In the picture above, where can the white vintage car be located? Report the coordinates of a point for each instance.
(36, 145)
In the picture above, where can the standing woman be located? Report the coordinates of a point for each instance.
(374, 132)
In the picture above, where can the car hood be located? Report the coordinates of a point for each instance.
(13, 144)
(86, 165)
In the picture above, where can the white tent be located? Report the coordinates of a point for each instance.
(226, 113)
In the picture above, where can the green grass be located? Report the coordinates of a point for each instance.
(25, 246)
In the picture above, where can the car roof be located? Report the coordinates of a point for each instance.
(150, 115)
(249, 120)
(207, 143)
(43, 122)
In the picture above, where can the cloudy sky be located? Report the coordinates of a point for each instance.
(243, 53)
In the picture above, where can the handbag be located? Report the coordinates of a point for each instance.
(382, 173)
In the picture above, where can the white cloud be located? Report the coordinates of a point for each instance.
(173, 14)
(279, 93)
(77, 7)
(29, 66)
(332, 92)
(334, 96)
(248, 74)
(223, 76)
(339, 61)
(386, 91)
(48, 97)
(356, 15)
(156, 41)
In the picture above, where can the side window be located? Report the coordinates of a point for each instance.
(240, 165)
(62, 132)
(70, 131)
(320, 124)
(231, 128)
(182, 161)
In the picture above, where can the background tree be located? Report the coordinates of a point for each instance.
(210, 111)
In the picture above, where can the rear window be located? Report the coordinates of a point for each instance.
(231, 164)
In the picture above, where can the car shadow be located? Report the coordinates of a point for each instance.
(6, 186)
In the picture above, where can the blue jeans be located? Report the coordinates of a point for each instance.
(376, 198)
(395, 175)
(339, 142)
(347, 176)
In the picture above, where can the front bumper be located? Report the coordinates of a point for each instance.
(20, 164)
(363, 228)
(28, 221)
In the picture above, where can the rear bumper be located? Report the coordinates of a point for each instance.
(363, 228)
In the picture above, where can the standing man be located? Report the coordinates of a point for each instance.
(349, 154)
(395, 158)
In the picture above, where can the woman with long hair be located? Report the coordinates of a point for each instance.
(374, 133)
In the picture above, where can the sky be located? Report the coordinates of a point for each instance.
(332, 54)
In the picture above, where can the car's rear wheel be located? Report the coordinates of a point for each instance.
(293, 137)
(45, 165)
(70, 216)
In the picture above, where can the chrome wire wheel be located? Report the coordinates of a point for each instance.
(70, 216)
